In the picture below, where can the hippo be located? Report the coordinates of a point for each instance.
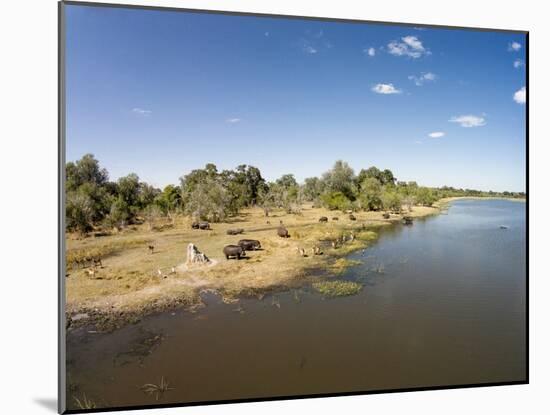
(200, 225)
(233, 251)
(407, 220)
(282, 232)
(235, 231)
(386, 215)
(351, 217)
(323, 219)
(249, 244)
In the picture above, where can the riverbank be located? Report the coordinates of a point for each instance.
(132, 281)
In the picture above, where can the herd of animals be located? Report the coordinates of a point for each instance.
(238, 251)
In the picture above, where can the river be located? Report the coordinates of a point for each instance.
(443, 303)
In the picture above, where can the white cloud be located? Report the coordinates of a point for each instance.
(266, 34)
(520, 96)
(309, 49)
(514, 47)
(424, 77)
(437, 134)
(385, 89)
(518, 63)
(469, 121)
(142, 112)
(410, 46)
(233, 120)
(370, 51)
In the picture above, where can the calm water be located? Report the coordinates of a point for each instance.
(443, 303)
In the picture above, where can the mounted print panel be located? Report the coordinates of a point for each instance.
(261, 207)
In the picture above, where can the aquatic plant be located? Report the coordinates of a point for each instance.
(84, 403)
(158, 390)
(337, 288)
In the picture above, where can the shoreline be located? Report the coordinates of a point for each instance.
(277, 267)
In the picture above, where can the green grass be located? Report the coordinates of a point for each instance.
(337, 288)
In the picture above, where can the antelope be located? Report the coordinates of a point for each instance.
(151, 249)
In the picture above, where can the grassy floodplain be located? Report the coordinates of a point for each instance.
(129, 285)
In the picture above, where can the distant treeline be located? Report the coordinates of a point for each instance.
(208, 194)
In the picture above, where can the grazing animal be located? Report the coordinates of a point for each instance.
(302, 252)
(334, 244)
(235, 231)
(282, 232)
(268, 222)
(159, 272)
(91, 272)
(352, 237)
(249, 244)
(173, 270)
(386, 215)
(316, 250)
(201, 225)
(96, 262)
(233, 251)
(351, 217)
(335, 218)
(323, 219)
(151, 249)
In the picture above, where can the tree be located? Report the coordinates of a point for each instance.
(119, 213)
(79, 212)
(287, 181)
(370, 196)
(391, 200)
(209, 200)
(336, 201)
(425, 196)
(312, 188)
(85, 170)
(341, 178)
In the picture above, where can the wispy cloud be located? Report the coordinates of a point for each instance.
(315, 42)
(142, 112)
(409, 46)
(514, 46)
(424, 77)
(520, 96)
(469, 121)
(369, 51)
(518, 63)
(385, 89)
(309, 49)
(233, 120)
(266, 34)
(436, 134)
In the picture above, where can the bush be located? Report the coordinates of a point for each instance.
(336, 201)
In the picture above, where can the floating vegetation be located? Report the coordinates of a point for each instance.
(84, 403)
(337, 288)
(157, 390)
(341, 264)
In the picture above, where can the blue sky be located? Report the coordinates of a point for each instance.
(160, 93)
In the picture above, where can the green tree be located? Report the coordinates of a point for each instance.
(340, 179)
(336, 201)
(424, 196)
(79, 212)
(370, 196)
(391, 200)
